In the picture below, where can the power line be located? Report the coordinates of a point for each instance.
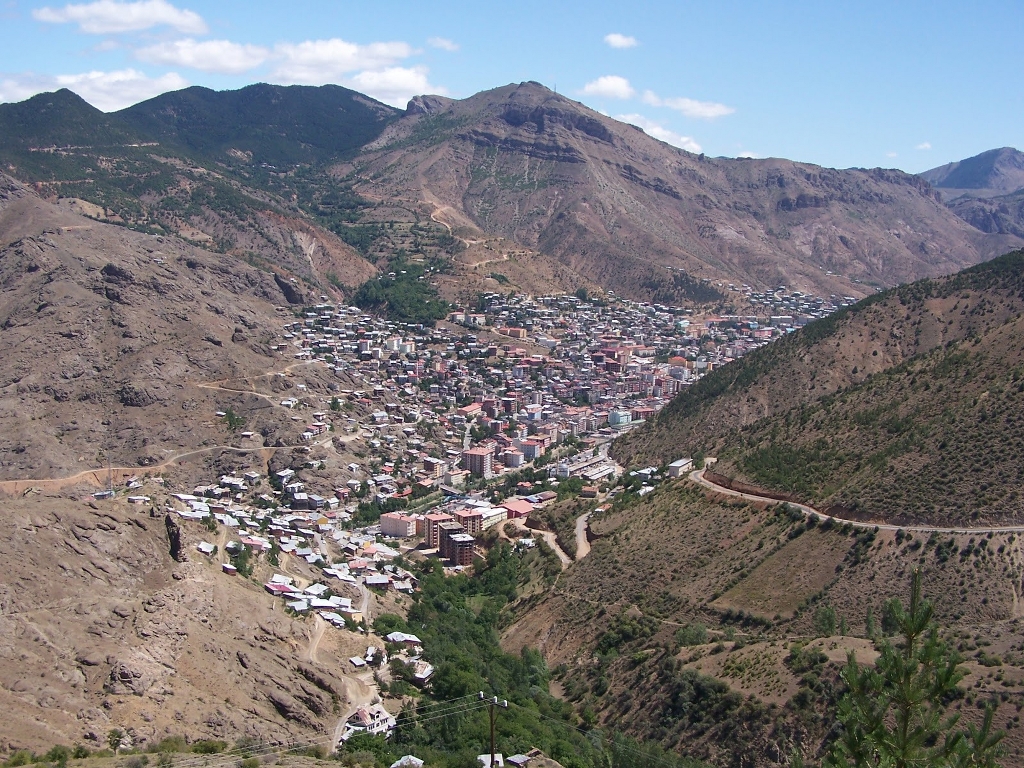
(604, 739)
(447, 708)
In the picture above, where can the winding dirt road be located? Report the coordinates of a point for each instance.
(697, 477)
(319, 628)
(99, 478)
(582, 543)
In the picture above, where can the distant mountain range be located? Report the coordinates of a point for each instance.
(986, 191)
(517, 186)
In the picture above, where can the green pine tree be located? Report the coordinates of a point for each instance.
(894, 714)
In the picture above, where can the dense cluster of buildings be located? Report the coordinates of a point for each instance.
(438, 419)
(497, 389)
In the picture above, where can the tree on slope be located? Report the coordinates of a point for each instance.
(894, 714)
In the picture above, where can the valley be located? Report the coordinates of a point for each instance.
(308, 435)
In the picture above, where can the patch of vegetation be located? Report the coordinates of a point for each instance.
(457, 617)
(233, 420)
(405, 297)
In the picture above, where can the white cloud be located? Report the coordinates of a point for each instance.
(316, 62)
(924, 145)
(394, 85)
(107, 91)
(119, 89)
(443, 43)
(22, 86)
(615, 40)
(748, 155)
(705, 110)
(609, 86)
(891, 154)
(108, 16)
(372, 69)
(209, 55)
(658, 131)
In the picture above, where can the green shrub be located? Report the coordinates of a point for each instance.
(694, 633)
(208, 747)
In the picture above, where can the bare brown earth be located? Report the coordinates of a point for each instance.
(118, 351)
(623, 209)
(109, 337)
(100, 628)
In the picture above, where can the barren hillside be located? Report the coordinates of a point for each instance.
(717, 627)
(612, 203)
(114, 342)
(102, 629)
(904, 408)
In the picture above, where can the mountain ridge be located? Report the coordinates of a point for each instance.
(858, 411)
(991, 173)
(608, 200)
(558, 193)
(274, 125)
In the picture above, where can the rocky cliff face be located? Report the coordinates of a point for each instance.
(1002, 215)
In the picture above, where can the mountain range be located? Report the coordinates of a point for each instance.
(514, 186)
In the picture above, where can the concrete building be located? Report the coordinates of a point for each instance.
(479, 461)
(434, 467)
(472, 520)
(619, 418)
(455, 544)
(400, 526)
(431, 525)
(459, 549)
(680, 467)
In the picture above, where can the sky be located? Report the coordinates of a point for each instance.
(892, 84)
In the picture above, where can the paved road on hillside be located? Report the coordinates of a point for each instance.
(697, 476)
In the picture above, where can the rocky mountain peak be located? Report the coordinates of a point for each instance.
(994, 172)
(428, 105)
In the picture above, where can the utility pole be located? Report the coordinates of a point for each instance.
(493, 703)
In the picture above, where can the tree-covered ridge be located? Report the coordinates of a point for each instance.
(61, 119)
(275, 125)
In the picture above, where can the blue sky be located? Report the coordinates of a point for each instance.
(909, 85)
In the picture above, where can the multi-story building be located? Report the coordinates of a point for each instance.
(472, 520)
(434, 467)
(431, 525)
(460, 549)
(456, 545)
(395, 524)
(479, 461)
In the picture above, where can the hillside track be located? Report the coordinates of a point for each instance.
(582, 541)
(697, 477)
(103, 476)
